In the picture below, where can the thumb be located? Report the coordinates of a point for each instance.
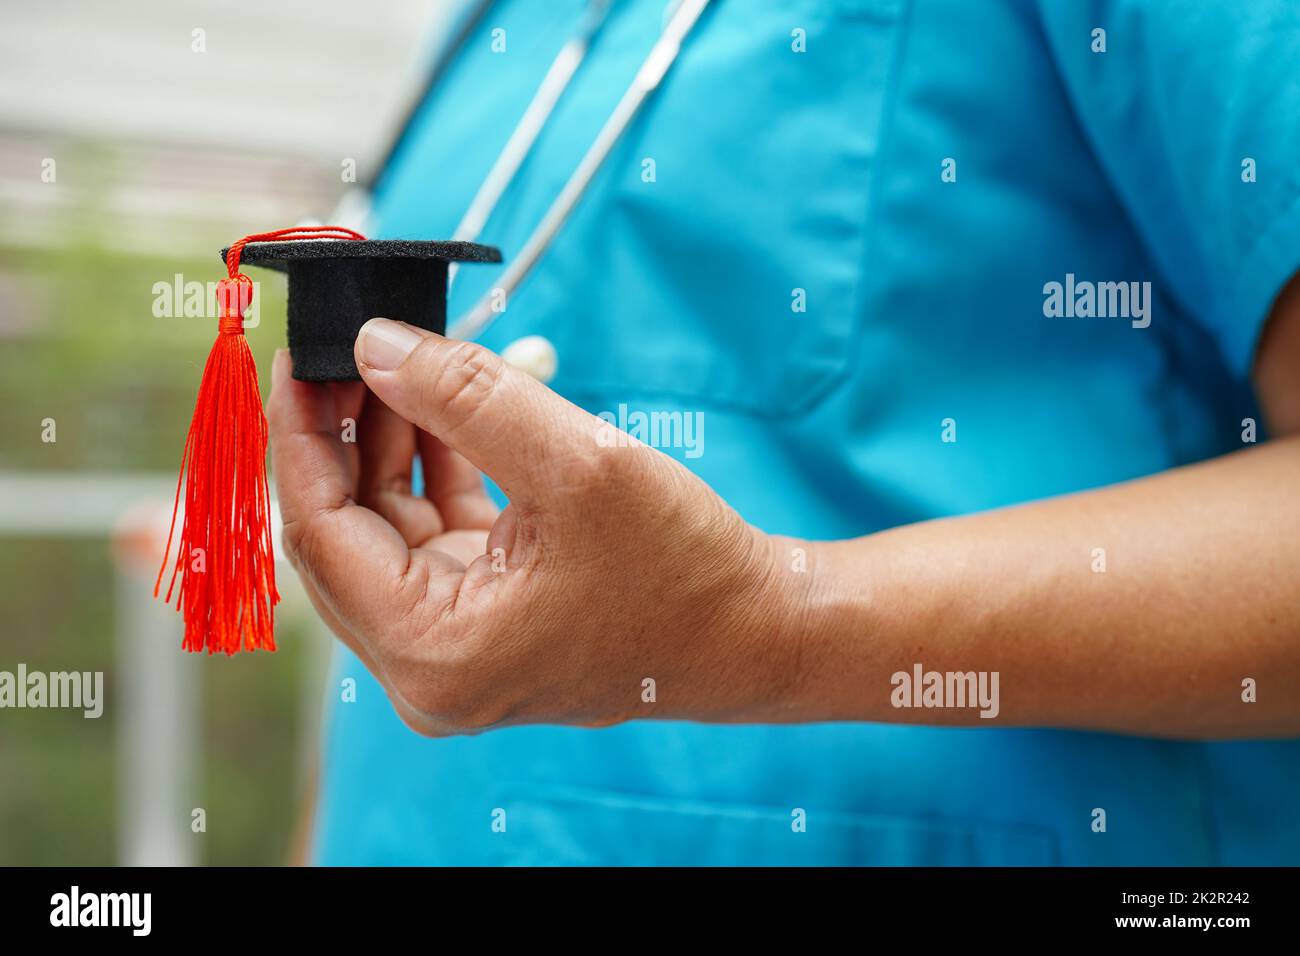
(510, 426)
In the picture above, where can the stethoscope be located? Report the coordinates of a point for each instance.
(680, 16)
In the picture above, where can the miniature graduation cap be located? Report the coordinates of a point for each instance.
(338, 280)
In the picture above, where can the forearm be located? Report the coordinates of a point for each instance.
(1200, 591)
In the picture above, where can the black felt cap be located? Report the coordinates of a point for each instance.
(337, 285)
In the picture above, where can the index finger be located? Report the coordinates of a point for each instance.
(357, 561)
(505, 422)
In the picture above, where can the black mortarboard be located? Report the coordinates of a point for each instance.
(338, 281)
(337, 285)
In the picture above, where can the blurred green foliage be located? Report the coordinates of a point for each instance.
(87, 351)
(80, 343)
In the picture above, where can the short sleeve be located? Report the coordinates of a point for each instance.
(1193, 110)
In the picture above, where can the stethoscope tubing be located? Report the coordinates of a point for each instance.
(648, 77)
(681, 17)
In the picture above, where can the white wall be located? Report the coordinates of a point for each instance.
(158, 145)
(279, 76)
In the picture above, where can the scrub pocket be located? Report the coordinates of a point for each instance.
(733, 277)
(575, 827)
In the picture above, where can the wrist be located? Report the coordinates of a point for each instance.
(833, 622)
(773, 610)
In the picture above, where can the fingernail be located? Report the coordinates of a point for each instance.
(384, 344)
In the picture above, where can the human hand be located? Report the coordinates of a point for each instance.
(612, 564)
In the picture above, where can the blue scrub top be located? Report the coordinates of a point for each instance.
(823, 171)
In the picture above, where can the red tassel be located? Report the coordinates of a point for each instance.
(225, 560)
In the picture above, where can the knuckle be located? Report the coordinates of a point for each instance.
(292, 538)
(461, 385)
(454, 688)
(275, 411)
(408, 599)
(593, 472)
(273, 417)
(301, 538)
(481, 713)
(449, 700)
(415, 688)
